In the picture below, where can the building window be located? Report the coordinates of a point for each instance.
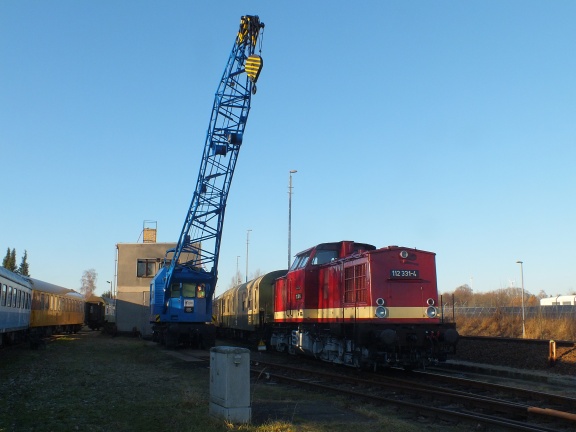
(146, 268)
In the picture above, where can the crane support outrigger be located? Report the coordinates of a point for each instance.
(181, 292)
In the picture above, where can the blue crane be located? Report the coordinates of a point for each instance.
(182, 290)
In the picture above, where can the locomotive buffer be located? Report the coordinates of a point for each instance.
(182, 290)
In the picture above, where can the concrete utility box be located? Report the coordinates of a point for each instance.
(230, 384)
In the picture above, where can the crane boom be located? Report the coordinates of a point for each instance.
(193, 269)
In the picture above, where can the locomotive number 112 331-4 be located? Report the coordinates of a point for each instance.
(404, 274)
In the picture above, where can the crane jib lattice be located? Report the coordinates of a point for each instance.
(199, 243)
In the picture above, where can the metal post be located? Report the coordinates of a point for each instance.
(247, 243)
(237, 271)
(552, 353)
(522, 279)
(290, 217)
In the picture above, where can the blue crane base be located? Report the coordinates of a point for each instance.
(194, 335)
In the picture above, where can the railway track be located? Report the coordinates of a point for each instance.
(472, 402)
(556, 356)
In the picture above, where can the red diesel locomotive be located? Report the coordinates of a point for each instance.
(347, 303)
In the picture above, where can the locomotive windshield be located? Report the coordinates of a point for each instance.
(189, 289)
(301, 260)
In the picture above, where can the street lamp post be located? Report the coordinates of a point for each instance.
(237, 271)
(290, 217)
(111, 289)
(247, 243)
(522, 281)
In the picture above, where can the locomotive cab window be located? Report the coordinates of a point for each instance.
(189, 290)
(324, 257)
(175, 290)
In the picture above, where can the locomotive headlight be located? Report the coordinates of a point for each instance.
(381, 312)
(380, 302)
(431, 312)
(430, 302)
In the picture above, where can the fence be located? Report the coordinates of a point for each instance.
(555, 311)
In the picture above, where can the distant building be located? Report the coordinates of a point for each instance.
(565, 300)
(137, 264)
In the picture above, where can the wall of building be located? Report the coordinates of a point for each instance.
(137, 263)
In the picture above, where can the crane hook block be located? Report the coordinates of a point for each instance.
(253, 67)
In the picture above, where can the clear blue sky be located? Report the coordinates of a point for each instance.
(448, 126)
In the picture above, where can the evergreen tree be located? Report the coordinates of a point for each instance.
(9, 261)
(24, 268)
(6, 260)
(13, 260)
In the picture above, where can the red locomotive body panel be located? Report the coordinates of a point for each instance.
(405, 279)
(350, 303)
(346, 282)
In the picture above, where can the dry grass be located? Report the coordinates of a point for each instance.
(511, 327)
(92, 382)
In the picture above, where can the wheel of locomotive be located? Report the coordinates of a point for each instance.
(162, 336)
(207, 342)
(171, 340)
(368, 364)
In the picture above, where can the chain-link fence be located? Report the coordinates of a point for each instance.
(555, 311)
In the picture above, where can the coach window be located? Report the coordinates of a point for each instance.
(3, 300)
(9, 298)
(146, 268)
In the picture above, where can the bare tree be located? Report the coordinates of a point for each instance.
(463, 295)
(89, 278)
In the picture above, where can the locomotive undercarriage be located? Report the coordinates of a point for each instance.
(196, 335)
(366, 345)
